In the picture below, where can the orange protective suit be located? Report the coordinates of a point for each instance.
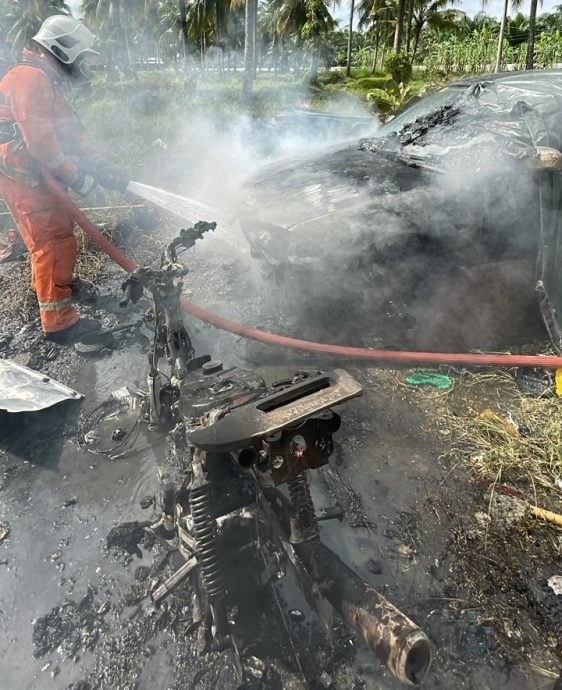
(47, 132)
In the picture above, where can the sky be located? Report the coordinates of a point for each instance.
(471, 7)
(494, 8)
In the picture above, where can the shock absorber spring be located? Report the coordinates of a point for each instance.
(205, 532)
(304, 525)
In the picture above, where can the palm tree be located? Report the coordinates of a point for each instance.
(530, 60)
(250, 24)
(378, 18)
(319, 24)
(350, 37)
(399, 26)
(501, 36)
(182, 12)
(309, 22)
(436, 15)
(173, 19)
(22, 18)
(112, 19)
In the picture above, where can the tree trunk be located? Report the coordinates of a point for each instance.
(377, 39)
(409, 21)
(350, 38)
(499, 54)
(385, 43)
(417, 32)
(399, 26)
(249, 47)
(529, 63)
(183, 24)
(314, 64)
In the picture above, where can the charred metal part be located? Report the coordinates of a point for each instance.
(166, 587)
(205, 532)
(331, 513)
(535, 381)
(202, 390)
(187, 544)
(103, 340)
(232, 488)
(304, 527)
(26, 390)
(305, 534)
(212, 367)
(232, 440)
(307, 447)
(288, 407)
(395, 639)
(171, 339)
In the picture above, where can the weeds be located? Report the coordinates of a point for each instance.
(501, 435)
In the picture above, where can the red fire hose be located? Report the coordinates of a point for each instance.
(341, 351)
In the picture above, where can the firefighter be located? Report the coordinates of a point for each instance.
(40, 130)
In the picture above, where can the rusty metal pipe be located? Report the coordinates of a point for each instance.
(396, 640)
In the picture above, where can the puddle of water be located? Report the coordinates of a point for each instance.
(61, 510)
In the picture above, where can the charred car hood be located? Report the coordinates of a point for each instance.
(449, 191)
(344, 178)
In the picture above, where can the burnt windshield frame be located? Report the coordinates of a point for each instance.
(421, 108)
(447, 95)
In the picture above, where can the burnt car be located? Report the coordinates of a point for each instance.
(441, 230)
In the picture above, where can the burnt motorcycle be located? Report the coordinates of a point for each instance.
(237, 444)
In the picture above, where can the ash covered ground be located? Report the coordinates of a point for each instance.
(77, 563)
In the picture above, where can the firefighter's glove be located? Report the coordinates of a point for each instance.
(111, 177)
(84, 183)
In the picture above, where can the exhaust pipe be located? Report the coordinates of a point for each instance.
(396, 640)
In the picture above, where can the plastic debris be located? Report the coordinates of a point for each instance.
(430, 378)
(558, 382)
(405, 550)
(508, 425)
(118, 435)
(11, 246)
(546, 515)
(255, 667)
(297, 615)
(479, 635)
(555, 584)
(4, 530)
(146, 502)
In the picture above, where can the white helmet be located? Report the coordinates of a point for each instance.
(65, 38)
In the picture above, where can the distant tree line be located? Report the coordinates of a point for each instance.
(297, 35)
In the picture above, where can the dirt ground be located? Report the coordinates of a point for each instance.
(459, 560)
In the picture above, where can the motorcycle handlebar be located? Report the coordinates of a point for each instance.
(187, 238)
(133, 286)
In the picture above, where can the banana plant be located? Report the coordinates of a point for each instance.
(392, 98)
